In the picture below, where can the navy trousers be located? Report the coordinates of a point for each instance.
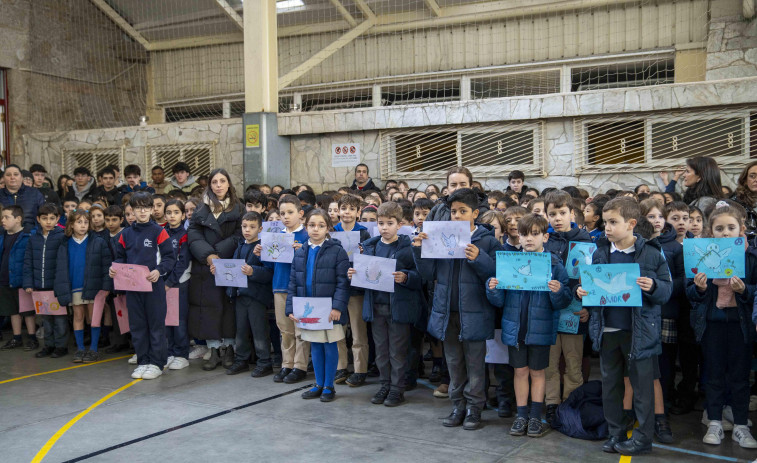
(147, 324)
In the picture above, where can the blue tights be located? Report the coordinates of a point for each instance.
(325, 357)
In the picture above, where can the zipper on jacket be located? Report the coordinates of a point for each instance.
(44, 246)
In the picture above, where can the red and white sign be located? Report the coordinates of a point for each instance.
(345, 155)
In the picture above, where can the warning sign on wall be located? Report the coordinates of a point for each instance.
(252, 136)
(345, 154)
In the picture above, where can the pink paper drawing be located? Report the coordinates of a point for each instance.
(172, 307)
(25, 301)
(99, 306)
(45, 303)
(130, 277)
(122, 314)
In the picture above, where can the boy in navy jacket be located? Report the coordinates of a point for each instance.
(628, 338)
(529, 327)
(461, 316)
(252, 302)
(13, 240)
(177, 337)
(139, 245)
(39, 275)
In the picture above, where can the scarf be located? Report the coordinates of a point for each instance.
(225, 203)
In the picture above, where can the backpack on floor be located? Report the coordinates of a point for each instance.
(581, 415)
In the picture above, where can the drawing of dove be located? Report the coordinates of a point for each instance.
(712, 257)
(450, 242)
(587, 257)
(525, 270)
(616, 285)
(308, 310)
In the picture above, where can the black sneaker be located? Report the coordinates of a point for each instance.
(341, 376)
(91, 356)
(261, 370)
(116, 348)
(103, 342)
(551, 413)
(45, 352)
(313, 393)
(12, 344)
(380, 396)
(328, 394)
(455, 418)
(59, 352)
(504, 409)
(356, 379)
(472, 420)
(279, 377)
(373, 371)
(662, 431)
(295, 376)
(237, 367)
(436, 374)
(31, 344)
(519, 427)
(78, 356)
(394, 399)
(536, 428)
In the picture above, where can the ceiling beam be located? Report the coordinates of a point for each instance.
(367, 12)
(433, 6)
(345, 14)
(191, 42)
(329, 50)
(121, 22)
(231, 13)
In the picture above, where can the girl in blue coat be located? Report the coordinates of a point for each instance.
(319, 269)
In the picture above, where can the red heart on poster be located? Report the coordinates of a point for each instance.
(572, 245)
(120, 314)
(695, 270)
(626, 296)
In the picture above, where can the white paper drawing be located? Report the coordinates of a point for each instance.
(350, 242)
(408, 230)
(312, 312)
(374, 273)
(496, 352)
(277, 247)
(446, 240)
(274, 226)
(229, 273)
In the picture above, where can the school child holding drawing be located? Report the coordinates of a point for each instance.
(392, 314)
(177, 337)
(81, 272)
(628, 338)
(13, 241)
(461, 316)
(721, 309)
(529, 328)
(39, 275)
(319, 269)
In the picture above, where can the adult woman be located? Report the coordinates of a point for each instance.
(64, 184)
(457, 177)
(15, 192)
(701, 177)
(214, 230)
(746, 195)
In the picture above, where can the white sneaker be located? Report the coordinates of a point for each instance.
(133, 360)
(714, 433)
(139, 371)
(725, 424)
(178, 363)
(168, 361)
(753, 403)
(198, 352)
(742, 435)
(152, 372)
(728, 416)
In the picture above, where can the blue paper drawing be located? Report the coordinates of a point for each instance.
(568, 321)
(612, 285)
(229, 273)
(524, 271)
(274, 226)
(496, 352)
(277, 247)
(374, 273)
(578, 254)
(716, 257)
(312, 313)
(350, 242)
(446, 240)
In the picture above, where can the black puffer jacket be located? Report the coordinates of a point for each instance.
(29, 199)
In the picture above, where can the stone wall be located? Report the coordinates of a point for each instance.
(732, 44)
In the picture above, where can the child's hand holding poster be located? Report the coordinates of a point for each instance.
(524, 271)
(611, 285)
(350, 241)
(229, 273)
(312, 313)
(131, 277)
(715, 257)
(446, 240)
(374, 273)
(277, 247)
(578, 254)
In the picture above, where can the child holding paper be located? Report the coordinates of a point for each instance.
(392, 314)
(177, 337)
(721, 309)
(39, 275)
(13, 241)
(628, 339)
(147, 243)
(461, 316)
(319, 269)
(81, 272)
(529, 328)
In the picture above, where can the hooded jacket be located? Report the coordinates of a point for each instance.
(673, 252)
(74, 193)
(41, 257)
(188, 186)
(368, 186)
(16, 257)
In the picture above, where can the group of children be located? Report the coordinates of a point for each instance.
(455, 302)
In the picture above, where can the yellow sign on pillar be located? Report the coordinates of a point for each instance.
(252, 136)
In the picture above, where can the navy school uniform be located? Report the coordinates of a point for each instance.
(177, 337)
(98, 260)
(147, 244)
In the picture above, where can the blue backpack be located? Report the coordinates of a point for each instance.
(581, 415)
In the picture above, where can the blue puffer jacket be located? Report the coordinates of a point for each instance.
(406, 302)
(647, 324)
(673, 251)
(476, 314)
(96, 278)
(543, 310)
(259, 283)
(41, 258)
(16, 257)
(702, 302)
(29, 199)
(329, 278)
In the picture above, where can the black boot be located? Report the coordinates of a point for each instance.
(238, 367)
(213, 362)
(472, 420)
(228, 357)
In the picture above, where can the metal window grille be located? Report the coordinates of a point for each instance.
(93, 159)
(199, 156)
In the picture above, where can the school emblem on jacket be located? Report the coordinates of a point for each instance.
(147, 243)
(175, 243)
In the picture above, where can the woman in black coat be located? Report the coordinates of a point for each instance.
(214, 231)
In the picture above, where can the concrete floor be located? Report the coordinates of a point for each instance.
(281, 429)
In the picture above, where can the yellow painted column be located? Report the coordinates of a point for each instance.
(261, 65)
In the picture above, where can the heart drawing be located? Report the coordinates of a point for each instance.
(695, 270)
(626, 296)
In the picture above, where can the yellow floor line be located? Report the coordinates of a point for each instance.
(626, 458)
(63, 369)
(49, 444)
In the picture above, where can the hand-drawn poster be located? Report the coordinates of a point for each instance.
(715, 257)
(274, 226)
(372, 228)
(45, 303)
(569, 321)
(446, 240)
(229, 273)
(612, 285)
(25, 301)
(172, 307)
(131, 277)
(524, 271)
(578, 254)
(496, 352)
(98, 308)
(122, 314)
(374, 273)
(277, 247)
(408, 230)
(312, 312)
(350, 242)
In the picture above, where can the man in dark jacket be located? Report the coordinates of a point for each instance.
(362, 181)
(30, 199)
(38, 176)
(83, 184)
(108, 190)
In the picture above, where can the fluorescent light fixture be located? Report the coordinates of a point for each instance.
(287, 4)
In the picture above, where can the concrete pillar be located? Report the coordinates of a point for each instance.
(261, 65)
(465, 88)
(376, 96)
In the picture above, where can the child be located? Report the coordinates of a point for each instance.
(696, 222)
(81, 272)
(129, 216)
(529, 320)
(537, 206)
(515, 183)
(497, 220)
(189, 208)
(159, 209)
(326, 258)
(69, 206)
(39, 275)
(334, 211)
(392, 314)
(273, 216)
(628, 338)
(562, 231)
(421, 208)
(294, 349)
(460, 288)
(513, 214)
(177, 337)
(134, 183)
(721, 313)
(677, 215)
(114, 218)
(251, 303)
(255, 201)
(368, 214)
(97, 217)
(593, 219)
(13, 241)
(146, 243)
